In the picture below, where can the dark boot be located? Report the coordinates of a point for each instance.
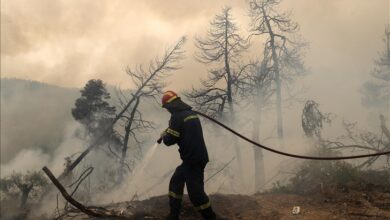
(175, 207)
(172, 217)
(208, 214)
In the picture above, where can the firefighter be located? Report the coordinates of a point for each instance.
(186, 131)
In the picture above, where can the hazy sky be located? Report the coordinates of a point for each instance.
(66, 42)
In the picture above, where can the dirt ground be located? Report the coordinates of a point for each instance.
(336, 202)
(369, 204)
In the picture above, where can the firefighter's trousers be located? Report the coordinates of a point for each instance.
(193, 176)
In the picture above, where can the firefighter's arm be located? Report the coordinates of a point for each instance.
(172, 133)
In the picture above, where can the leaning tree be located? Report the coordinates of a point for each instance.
(149, 83)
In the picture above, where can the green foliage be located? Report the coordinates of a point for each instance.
(313, 119)
(91, 108)
(314, 174)
(15, 184)
(277, 187)
(94, 112)
(376, 92)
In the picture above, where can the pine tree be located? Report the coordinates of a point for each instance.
(93, 111)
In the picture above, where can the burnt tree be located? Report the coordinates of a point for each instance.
(357, 140)
(23, 185)
(256, 86)
(376, 92)
(148, 80)
(221, 48)
(284, 50)
(313, 119)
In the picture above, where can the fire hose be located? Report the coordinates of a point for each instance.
(289, 154)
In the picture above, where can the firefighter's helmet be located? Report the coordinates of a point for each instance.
(168, 97)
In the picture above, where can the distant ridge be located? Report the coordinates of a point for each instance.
(33, 115)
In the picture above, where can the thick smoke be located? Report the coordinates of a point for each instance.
(69, 42)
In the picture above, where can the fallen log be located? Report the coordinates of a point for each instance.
(97, 212)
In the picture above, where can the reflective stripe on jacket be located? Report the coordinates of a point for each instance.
(185, 130)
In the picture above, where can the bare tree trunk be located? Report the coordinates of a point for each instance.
(279, 109)
(165, 64)
(124, 152)
(26, 189)
(258, 152)
(277, 82)
(385, 130)
(146, 80)
(388, 113)
(230, 96)
(126, 139)
(387, 33)
(387, 105)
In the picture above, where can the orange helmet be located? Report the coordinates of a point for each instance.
(168, 97)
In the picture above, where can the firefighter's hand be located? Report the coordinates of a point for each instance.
(161, 136)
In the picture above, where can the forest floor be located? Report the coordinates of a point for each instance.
(331, 203)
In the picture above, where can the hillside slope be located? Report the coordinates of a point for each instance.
(371, 203)
(33, 115)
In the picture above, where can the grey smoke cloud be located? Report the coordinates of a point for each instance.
(66, 42)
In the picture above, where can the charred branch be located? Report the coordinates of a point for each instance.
(97, 212)
(366, 141)
(147, 82)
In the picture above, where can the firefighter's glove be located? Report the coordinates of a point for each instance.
(162, 136)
